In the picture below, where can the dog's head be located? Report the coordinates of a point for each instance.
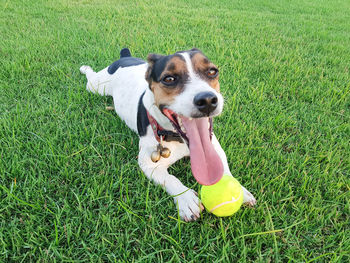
(187, 83)
(187, 91)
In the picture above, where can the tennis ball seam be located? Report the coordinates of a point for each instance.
(224, 203)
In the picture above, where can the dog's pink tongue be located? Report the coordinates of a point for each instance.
(206, 164)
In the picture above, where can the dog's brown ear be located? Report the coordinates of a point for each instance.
(152, 59)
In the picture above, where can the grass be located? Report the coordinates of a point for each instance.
(70, 186)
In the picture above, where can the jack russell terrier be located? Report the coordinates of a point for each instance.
(170, 102)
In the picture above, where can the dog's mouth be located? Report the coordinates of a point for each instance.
(206, 164)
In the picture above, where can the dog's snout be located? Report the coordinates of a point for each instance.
(206, 102)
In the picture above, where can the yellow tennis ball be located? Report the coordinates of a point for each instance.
(223, 198)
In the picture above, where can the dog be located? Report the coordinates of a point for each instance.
(169, 100)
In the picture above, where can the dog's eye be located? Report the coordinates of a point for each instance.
(169, 80)
(212, 72)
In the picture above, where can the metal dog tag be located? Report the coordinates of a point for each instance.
(160, 152)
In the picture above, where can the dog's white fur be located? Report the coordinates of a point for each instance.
(126, 86)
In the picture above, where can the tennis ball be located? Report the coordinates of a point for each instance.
(223, 198)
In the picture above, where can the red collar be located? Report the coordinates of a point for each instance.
(159, 131)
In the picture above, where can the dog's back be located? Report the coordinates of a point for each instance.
(124, 80)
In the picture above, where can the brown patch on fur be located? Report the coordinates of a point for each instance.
(201, 65)
(215, 84)
(175, 66)
(165, 94)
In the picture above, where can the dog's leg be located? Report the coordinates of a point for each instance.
(185, 199)
(248, 198)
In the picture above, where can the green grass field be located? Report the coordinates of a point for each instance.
(70, 186)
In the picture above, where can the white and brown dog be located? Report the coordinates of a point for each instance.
(169, 101)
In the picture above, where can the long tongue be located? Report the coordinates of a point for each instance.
(206, 164)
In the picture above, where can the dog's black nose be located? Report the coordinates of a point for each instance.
(206, 102)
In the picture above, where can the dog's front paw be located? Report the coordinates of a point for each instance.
(248, 198)
(189, 205)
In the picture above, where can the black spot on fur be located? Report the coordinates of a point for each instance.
(125, 52)
(124, 62)
(158, 67)
(142, 118)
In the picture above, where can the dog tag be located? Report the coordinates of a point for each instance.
(160, 152)
(165, 152)
(155, 156)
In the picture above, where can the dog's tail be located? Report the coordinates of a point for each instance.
(86, 70)
(95, 83)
